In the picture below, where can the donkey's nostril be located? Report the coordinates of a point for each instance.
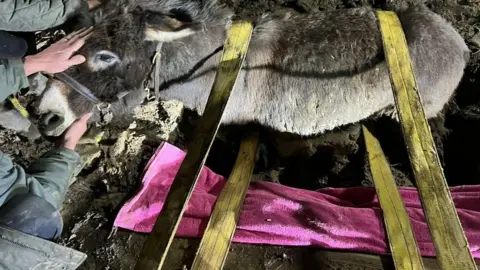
(50, 119)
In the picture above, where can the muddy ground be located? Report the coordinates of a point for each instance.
(113, 167)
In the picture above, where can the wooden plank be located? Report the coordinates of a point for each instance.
(221, 227)
(448, 237)
(23, 111)
(402, 241)
(159, 240)
(17, 105)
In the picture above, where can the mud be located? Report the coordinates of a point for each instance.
(113, 166)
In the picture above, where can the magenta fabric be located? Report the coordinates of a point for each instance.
(335, 218)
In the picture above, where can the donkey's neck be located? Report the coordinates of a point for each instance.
(189, 66)
(191, 56)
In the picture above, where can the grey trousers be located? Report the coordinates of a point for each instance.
(32, 215)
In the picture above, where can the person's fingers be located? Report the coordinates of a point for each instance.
(79, 31)
(76, 60)
(78, 125)
(87, 36)
(71, 35)
(83, 34)
(86, 116)
(76, 46)
(93, 4)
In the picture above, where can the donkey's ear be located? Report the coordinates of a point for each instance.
(165, 28)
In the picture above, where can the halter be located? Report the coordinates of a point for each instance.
(86, 92)
(80, 88)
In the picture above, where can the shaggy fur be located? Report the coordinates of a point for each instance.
(304, 74)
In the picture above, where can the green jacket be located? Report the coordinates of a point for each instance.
(48, 177)
(30, 16)
(21, 251)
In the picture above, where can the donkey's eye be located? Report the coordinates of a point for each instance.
(103, 60)
(106, 58)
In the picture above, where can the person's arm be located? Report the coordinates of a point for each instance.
(37, 15)
(56, 58)
(47, 177)
(12, 77)
(33, 15)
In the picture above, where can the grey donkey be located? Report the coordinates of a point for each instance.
(304, 74)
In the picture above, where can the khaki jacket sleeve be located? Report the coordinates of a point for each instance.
(48, 177)
(37, 15)
(12, 77)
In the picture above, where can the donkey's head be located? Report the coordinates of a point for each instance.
(119, 55)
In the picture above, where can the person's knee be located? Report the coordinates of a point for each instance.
(12, 46)
(32, 215)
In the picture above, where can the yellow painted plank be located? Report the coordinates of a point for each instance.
(449, 239)
(402, 241)
(19, 106)
(221, 227)
(159, 240)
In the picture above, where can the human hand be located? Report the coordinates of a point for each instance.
(58, 57)
(72, 134)
(93, 4)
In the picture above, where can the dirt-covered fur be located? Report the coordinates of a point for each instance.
(304, 74)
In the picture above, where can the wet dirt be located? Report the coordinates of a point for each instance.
(113, 166)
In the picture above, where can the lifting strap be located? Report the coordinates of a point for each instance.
(18, 106)
(448, 237)
(155, 249)
(400, 234)
(221, 227)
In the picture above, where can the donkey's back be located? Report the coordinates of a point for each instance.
(307, 74)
